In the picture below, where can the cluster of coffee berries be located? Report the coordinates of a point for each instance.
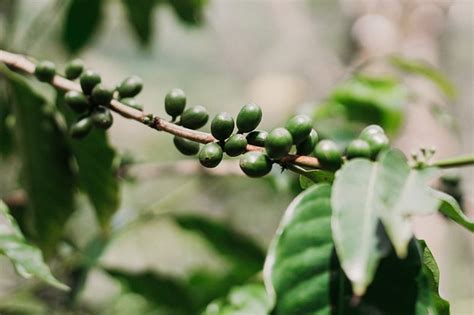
(93, 101)
(232, 137)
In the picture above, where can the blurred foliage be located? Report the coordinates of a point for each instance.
(84, 17)
(427, 71)
(247, 299)
(358, 102)
(41, 143)
(26, 258)
(97, 165)
(305, 263)
(6, 132)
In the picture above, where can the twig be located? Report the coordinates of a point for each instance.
(455, 162)
(20, 62)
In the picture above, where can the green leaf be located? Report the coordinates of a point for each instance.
(451, 208)
(424, 69)
(297, 268)
(315, 177)
(243, 300)
(97, 165)
(429, 300)
(47, 175)
(157, 289)
(83, 18)
(189, 11)
(372, 100)
(366, 193)
(140, 18)
(238, 249)
(394, 290)
(6, 132)
(27, 259)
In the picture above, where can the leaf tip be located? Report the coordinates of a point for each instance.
(359, 289)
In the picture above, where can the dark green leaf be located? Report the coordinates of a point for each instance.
(394, 290)
(82, 19)
(316, 177)
(297, 268)
(450, 208)
(366, 193)
(91, 255)
(6, 132)
(27, 259)
(429, 300)
(204, 286)
(46, 172)
(244, 300)
(238, 249)
(426, 70)
(189, 11)
(157, 289)
(140, 18)
(97, 164)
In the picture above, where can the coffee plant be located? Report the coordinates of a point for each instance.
(345, 244)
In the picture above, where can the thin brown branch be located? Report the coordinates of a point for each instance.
(23, 64)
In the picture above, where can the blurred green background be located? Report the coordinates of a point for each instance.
(286, 56)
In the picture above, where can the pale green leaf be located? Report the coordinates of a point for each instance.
(297, 268)
(26, 258)
(366, 193)
(249, 299)
(451, 208)
(355, 220)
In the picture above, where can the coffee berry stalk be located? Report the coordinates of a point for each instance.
(258, 150)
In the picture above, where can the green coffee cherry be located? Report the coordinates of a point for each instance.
(328, 153)
(306, 146)
(194, 117)
(132, 102)
(88, 80)
(45, 71)
(77, 101)
(358, 148)
(210, 155)
(130, 87)
(185, 146)
(249, 117)
(278, 143)
(222, 126)
(81, 128)
(235, 145)
(102, 95)
(74, 69)
(257, 137)
(377, 142)
(299, 126)
(102, 117)
(175, 102)
(369, 131)
(255, 164)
